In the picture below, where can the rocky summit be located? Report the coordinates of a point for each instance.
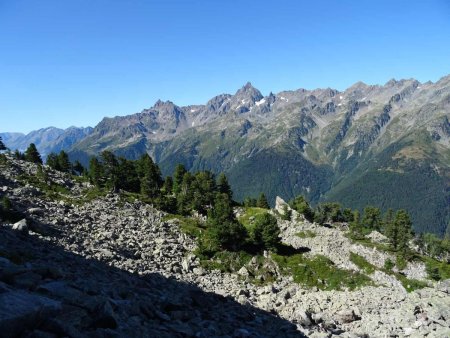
(79, 264)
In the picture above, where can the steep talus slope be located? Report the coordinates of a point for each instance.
(112, 267)
(109, 268)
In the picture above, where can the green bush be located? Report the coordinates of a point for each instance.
(301, 205)
(3, 159)
(265, 233)
(437, 270)
(287, 213)
(225, 235)
(6, 203)
(389, 264)
(401, 263)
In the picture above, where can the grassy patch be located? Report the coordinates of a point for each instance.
(50, 189)
(368, 243)
(227, 261)
(410, 284)
(92, 194)
(306, 234)
(401, 262)
(190, 226)
(260, 270)
(436, 270)
(250, 213)
(129, 197)
(362, 263)
(320, 272)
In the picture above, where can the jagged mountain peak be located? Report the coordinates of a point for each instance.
(166, 103)
(247, 86)
(393, 82)
(249, 91)
(358, 86)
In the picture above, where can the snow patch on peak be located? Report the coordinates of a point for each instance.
(260, 102)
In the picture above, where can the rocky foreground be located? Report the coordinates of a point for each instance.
(108, 267)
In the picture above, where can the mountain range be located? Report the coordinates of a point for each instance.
(383, 145)
(47, 140)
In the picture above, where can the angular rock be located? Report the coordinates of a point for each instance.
(21, 226)
(346, 316)
(20, 311)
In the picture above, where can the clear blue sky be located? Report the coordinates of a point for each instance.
(73, 62)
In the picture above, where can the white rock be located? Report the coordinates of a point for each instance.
(21, 226)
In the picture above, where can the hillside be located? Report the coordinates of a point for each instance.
(80, 261)
(384, 145)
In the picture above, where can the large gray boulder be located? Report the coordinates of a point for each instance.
(20, 310)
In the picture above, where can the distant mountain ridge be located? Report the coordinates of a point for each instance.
(47, 140)
(386, 145)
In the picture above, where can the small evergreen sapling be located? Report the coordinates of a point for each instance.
(32, 154)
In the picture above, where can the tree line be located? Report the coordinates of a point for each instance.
(208, 195)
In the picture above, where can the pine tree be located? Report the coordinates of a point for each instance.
(262, 201)
(222, 210)
(355, 227)
(223, 186)
(328, 212)
(249, 202)
(265, 233)
(18, 155)
(287, 213)
(168, 185)
(185, 194)
(223, 230)
(348, 215)
(301, 205)
(78, 168)
(203, 189)
(63, 162)
(32, 155)
(110, 167)
(96, 172)
(405, 233)
(151, 180)
(2, 145)
(42, 174)
(127, 177)
(390, 231)
(372, 218)
(180, 170)
(52, 161)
